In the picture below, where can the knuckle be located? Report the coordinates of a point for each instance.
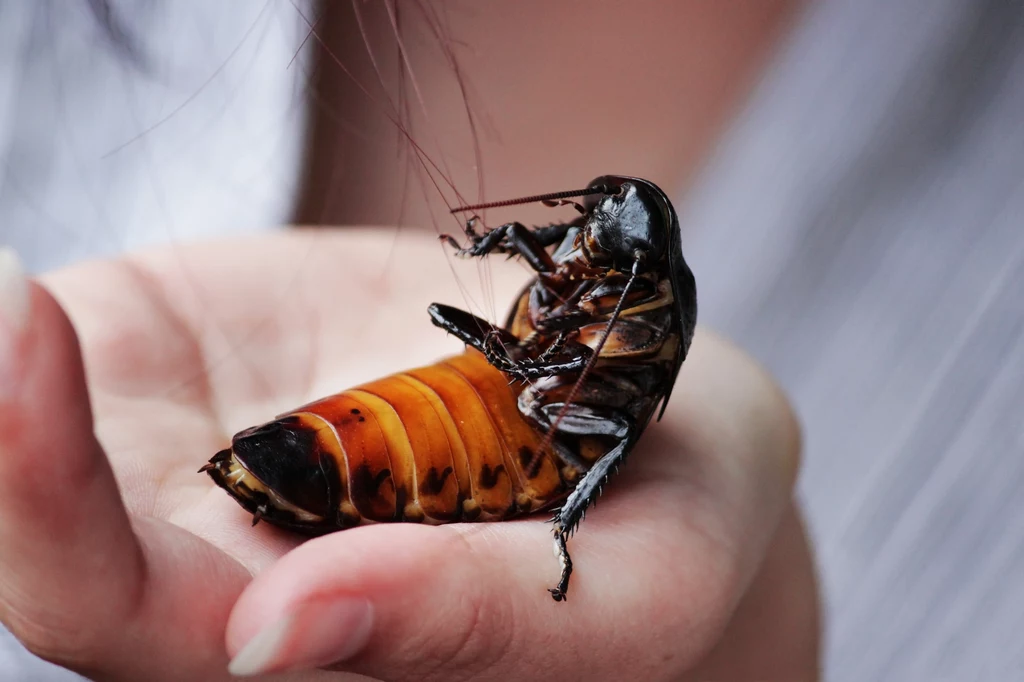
(478, 642)
(474, 634)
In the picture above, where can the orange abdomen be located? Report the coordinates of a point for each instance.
(438, 444)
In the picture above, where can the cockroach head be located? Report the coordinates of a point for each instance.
(626, 222)
(276, 471)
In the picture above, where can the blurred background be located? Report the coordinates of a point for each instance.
(848, 173)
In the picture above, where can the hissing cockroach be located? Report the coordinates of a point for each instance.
(531, 415)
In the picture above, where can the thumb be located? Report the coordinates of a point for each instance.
(64, 532)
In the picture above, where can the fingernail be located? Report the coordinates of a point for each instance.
(13, 310)
(313, 635)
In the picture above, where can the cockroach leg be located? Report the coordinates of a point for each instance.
(515, 239)
(562, 554)
(529, 368)
(469, 328)
(589, 488)
(512, 238)
(556, 346)
(496, 352)
(571, 459)
(450, 240)
(470, 228)
(580, 420)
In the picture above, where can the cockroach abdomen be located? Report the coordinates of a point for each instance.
(284, 456)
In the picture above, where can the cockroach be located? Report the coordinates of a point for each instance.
(538, 413)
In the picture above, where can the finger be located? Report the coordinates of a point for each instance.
(68, 556)
(662, 563)
(775, 632)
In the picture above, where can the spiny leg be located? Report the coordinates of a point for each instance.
(582, 420)
(470, 231)
(555, 347)
(561, 355)
(571, 513)
(563, 359)
(514, 239)
(472, 330)
(494, 342)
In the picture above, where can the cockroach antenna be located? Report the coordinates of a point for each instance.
(554, 196)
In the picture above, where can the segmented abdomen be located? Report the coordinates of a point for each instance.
(441, 443)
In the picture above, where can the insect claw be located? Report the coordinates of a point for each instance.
(260, 511)
(206, 467)
(450, 240)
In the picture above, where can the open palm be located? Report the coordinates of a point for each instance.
(694, 546)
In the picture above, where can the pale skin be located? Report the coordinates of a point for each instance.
(119, 561)
(693, 565)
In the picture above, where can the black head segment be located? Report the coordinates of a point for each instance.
(631, 219)
(645, 216)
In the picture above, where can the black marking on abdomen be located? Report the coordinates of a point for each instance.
(364, 484)
(489, 476)
(525, 460)
(432, 483)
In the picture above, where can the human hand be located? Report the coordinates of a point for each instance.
(119, 561)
